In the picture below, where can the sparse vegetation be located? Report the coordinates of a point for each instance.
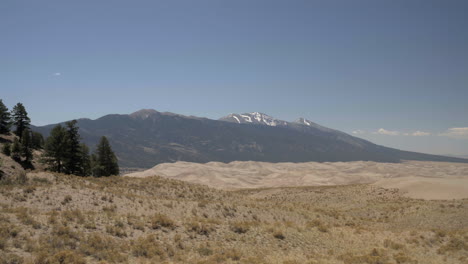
(131, 220)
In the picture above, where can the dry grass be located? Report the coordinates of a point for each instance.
(162, 221)
(54, 218)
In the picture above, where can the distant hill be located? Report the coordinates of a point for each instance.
(148, 137)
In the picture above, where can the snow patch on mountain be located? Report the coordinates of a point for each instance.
(247, 118)
(258, 118)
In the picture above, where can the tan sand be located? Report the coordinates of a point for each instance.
(428, 188)
(426, 180)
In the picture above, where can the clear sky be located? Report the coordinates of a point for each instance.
(394, 72)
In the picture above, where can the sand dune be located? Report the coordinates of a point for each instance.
(426, 180)
(428, 188)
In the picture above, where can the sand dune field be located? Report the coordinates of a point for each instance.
(424, 180)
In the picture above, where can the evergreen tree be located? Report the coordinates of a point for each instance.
(6, 149)
(85, 161)
(105, 163)
(37, 140)
(5, 119)
(72, 158)
(64, 153)
(95, 167)
(55, 148)
(20, 119)
(16, 150)
(26, 146)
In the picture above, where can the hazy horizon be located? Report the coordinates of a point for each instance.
(392, 72)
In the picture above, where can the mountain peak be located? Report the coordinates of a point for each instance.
(304, 121)
(254, 118)
(143, 113)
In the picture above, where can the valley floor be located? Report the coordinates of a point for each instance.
(53, 218)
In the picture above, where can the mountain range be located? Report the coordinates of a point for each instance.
(148, 137)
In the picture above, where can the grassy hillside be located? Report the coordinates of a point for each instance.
(10, 169)
(54, 218)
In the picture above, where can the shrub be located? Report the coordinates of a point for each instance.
(393, 245)
(74, 216)
(278, 234)
(67, 199)
(224, 256)
(6, 149)
(319, 224)
(204, 251)
(374, 257)
(21, 178)
(455, 244)
(102, 248)
(233, 254)
(3, 242)
(135, 223)
(199, 227)
(240, 227)
(61, 238)
(67, 256)
(116, 231)
(41, 180)
(29, 189)
(24, 217)
(1, 171)
(10, 258)
(401, 257)
(150, 247)
(159, 220)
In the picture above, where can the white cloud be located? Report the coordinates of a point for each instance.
(456, 132)
(358, 132)
(387, 132)
(57, 74)
(420, 134)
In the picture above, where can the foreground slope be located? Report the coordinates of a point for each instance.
(56, 218)
(148, 137)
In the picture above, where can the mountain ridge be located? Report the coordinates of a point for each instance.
(147, 137)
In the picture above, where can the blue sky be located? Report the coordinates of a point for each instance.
(381, 69)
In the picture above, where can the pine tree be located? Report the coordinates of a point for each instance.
(72, 158)
(105, 163)
(26, 146)
(20, 119)
(85, 161)
(55, 148)
(37, 140)
(5, 119)
(16, 150)
(95, 167)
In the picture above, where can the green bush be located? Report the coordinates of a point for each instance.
(6, 149)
